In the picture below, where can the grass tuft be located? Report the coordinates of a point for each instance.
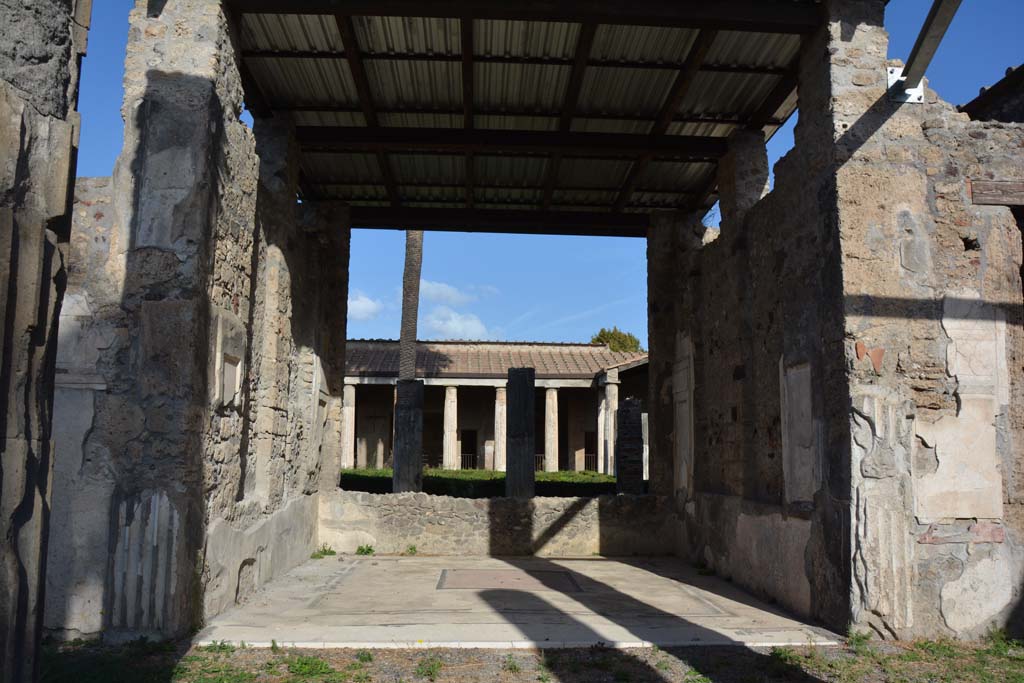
(365, 550)
(322, 552)
(429, 667)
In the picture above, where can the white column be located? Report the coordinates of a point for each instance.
(602, 414)
(452, 459)
(551, 430)
(611, 392)
(348, 427)
(500, 424)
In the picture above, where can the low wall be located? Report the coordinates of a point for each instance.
(551, 527)
(239, 561)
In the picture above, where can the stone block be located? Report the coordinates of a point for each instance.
(520, 449)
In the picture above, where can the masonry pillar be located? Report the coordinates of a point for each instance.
(408, 459)
(38, 144)
(451, 458)
(348, 427)
(551, 430)
(520, 466)
(742, 176)
(500, 403)
(602, 416)
(671, 239)
(611, 393)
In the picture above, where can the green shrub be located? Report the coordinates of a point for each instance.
(364, 656)
(365, 550)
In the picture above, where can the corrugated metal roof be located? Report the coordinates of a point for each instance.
(413, 70)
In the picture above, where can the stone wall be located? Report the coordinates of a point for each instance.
(41, 46)
(847, 360)
(549, 527)
(201, 363)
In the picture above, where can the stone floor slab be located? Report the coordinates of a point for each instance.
(466, 602)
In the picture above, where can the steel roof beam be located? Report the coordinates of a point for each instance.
(768, 16)
(460, 141)
(764, 69)
(673, 99)
(358, 71)
(584, 44)
(935, 25)
(728, 118)
(466, 34)
(505, 221)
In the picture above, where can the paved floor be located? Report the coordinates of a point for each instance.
(504, 603)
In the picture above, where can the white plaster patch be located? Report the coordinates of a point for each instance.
(968, 482)
(981, 592)
(682, 389)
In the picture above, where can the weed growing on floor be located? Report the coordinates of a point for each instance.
(411, 550)
(221, 646)
(943, 649)
(305, 665)
(322, 552)
(364, 656)
(511, 665)
(365, 550)
(274, 647)
(859, 642)
(429, 667)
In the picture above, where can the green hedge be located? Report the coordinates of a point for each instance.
(481, 483)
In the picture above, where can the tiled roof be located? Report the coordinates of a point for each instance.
(475, 359)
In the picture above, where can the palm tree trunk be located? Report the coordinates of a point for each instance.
(408, 440)
(410, 304)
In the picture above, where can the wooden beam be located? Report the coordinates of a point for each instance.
(997, 192)
(511, 221)
(358, 71)
(768, 16)
(764, 69)
(673, 99)
(460, 141)
(584, 44)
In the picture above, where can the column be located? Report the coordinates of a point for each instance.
(452, 459)
(348, 427)
(611, 392)
(519, 479)
(500, 402)
(551, 430)
(602, 415)
(408, 453)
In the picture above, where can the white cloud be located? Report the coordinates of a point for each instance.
(362, 307)
(445, 323)
(444, 293)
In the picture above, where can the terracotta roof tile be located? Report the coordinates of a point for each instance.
(473, 359)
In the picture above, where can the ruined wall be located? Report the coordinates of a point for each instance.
(548, 527)
(853, 343)
(935, 351)
(208, 317)
(41, 46)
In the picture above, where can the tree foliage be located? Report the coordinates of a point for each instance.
(617, 340)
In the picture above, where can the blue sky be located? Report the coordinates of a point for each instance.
(522, 287)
